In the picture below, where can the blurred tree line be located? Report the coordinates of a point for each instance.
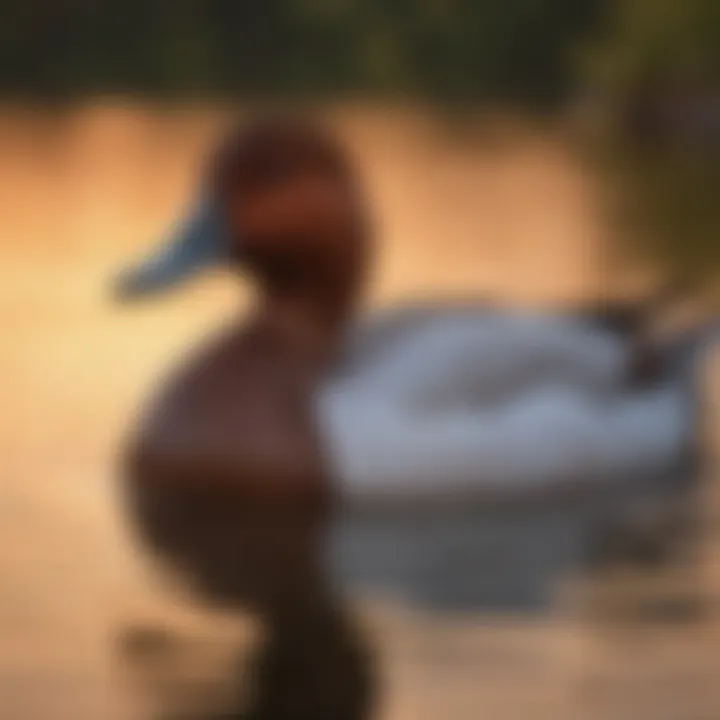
(440, 50)
(652, 68)
(656, 73)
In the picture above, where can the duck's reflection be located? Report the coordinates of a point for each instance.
(313, 659)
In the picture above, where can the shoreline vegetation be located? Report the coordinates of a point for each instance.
(646, 75)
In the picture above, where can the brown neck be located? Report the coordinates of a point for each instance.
(302, 324)
(309, 318)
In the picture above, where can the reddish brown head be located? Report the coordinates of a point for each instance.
(281, 199)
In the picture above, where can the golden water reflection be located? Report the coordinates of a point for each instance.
(516, 218)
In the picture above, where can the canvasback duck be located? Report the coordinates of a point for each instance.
(226, 477)
(299, 409)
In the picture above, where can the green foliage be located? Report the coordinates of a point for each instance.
(441, 50)
(659, 72)
(666, 205)
(660, 38)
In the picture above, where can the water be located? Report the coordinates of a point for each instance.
(516, 219)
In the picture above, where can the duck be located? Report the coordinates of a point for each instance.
(234, 472)
(223, 475)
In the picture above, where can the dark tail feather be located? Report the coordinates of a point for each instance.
(635, 319)
(669, 295)
(647, 363)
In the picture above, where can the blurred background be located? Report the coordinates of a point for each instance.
(541, 152)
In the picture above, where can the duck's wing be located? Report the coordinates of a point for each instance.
(553, 438)
(441, 356)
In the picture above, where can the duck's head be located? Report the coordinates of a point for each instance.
(280, 199)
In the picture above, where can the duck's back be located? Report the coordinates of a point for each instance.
(465, 356)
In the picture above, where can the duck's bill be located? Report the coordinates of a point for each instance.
(197, 243)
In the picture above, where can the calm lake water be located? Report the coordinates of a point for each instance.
(512, 217)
